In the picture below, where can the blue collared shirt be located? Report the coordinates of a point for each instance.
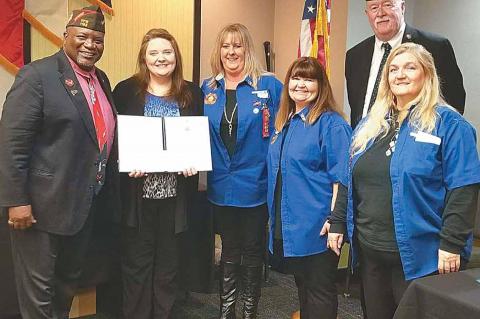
(313, 158)
(241, 180)
(422, 169)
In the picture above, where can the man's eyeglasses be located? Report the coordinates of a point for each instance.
(387, 6)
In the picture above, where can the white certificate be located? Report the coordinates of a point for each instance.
(168, 144)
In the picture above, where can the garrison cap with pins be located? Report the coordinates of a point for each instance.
(89, 17)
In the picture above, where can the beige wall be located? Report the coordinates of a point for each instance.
(338, 43)
(257, 16)
(288, 14)
(6, 81)
(277, 21)
(125, 31)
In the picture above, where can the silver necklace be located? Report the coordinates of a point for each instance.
(393, 121)
(230, 127)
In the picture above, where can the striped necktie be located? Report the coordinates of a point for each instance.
(386, 51)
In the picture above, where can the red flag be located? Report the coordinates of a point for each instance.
(11, 34)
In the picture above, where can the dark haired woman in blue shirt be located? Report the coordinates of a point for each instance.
(306, 159)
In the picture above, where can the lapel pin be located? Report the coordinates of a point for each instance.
(211, 98)
(69, 82)
(74, 92)
(302, 116)
(409, 36)
(274, 137)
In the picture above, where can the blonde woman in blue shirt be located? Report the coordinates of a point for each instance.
(241, 102)
(410, 195)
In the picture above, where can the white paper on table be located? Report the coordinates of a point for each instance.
(140, 144)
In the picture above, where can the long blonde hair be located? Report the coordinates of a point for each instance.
(307, 67)
(422, 117)
(252, 66)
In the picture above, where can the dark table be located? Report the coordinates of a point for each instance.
(452, 296)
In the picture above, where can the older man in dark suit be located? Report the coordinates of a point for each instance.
(56, 140)
(365, 60)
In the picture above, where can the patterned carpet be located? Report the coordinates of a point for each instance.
(279, 300)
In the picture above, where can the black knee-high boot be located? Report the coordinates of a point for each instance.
(228, 289)
(252, 276)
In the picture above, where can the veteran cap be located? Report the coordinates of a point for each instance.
(89, 17)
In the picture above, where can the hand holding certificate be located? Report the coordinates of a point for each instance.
(169, 144)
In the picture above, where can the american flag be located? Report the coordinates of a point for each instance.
(315, 31)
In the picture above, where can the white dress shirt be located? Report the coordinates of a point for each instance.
(376, 59)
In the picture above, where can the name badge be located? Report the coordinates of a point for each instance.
(423, 137)
(263, 94)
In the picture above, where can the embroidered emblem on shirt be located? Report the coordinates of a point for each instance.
(211, 98)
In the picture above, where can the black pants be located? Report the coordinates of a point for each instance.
(47, 268)
(315, 280)
(243, 233)
(150, 262)
(383, 281)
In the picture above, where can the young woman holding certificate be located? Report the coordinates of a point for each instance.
(154, 205)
